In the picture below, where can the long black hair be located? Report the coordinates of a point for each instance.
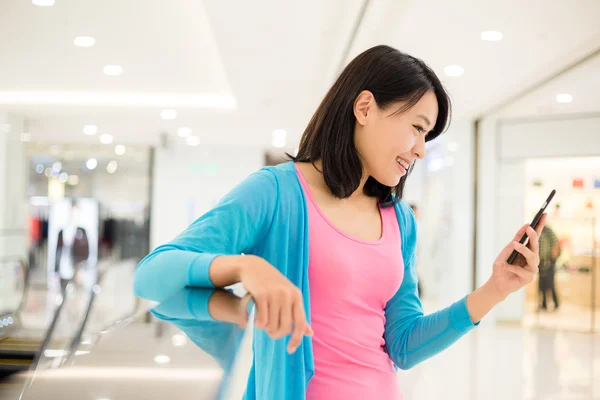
(391, 76)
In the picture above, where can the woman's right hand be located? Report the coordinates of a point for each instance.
(279, 303)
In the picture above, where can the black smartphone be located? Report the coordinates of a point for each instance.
(533, 224)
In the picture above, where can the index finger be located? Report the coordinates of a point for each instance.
(299, 318)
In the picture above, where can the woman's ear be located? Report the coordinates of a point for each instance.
(363, 105)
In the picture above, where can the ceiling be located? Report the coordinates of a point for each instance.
(266, 65)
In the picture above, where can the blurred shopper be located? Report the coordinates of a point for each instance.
(72, 247)
(549, 253)
(330, 246)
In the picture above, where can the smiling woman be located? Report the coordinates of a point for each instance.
(385, 102)
(328, 244)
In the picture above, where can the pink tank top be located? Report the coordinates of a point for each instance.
(351, 281)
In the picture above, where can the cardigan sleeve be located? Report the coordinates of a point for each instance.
(410, 336)
(234, 226)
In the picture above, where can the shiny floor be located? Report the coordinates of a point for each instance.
(510, 363)
(504, 363)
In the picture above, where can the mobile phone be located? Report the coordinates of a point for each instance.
(533, 224)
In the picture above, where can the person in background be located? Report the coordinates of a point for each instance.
(72, 247)
(325, 245)
(549, 253)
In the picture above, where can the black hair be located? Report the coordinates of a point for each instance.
(391, 76)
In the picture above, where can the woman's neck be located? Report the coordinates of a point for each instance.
(316, 179)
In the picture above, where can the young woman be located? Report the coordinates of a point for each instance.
(329, 246)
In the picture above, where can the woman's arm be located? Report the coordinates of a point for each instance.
(412, 337)
(236, 225)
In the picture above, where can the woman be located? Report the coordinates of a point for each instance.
(329, 246)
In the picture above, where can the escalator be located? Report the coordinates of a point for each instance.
(16, 354)
(39, 332)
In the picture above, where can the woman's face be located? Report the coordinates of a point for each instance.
(389, 144)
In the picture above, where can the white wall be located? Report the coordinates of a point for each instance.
(446, 223)
(504, 147)
(188, 181)
(13, 187)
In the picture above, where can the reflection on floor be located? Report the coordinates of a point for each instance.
(569, 317)
(510, 363)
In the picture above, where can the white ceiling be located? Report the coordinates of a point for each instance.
(275, 58)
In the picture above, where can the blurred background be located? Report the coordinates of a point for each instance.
(123, 121)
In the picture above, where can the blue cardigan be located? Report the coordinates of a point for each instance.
(266, 215)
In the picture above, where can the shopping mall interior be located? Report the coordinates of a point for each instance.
(122, 122)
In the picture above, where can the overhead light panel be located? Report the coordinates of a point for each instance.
(168, 114)
(279, 138)
(120, 149)
(184, 132)
(193, 141)
(564, 98)
(454, 70)
(43, 3)
(90, 130)
(491, 36)
(113, 70)
(171, 101)
(84, 41)
(106, 138)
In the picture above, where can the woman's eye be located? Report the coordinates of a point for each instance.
(419, 128)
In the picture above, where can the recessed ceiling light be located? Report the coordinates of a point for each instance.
(91, 164)
(25, 137)
(162, 359)
(184, 132)
(564, 98)
(193, 141)
(43, 3)
(63, 178)
(168, 114)
(112, 166)
(106, 138)
(113, 70)
(491, 36)
(120, 150)
(454, 70)
(279, 138)
(90, 130)
(84, 41)
(39, 169)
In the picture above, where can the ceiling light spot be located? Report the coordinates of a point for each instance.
(454, 70)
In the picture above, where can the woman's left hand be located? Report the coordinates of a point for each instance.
(508, 278)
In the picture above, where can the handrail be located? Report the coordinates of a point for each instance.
(49, 334)
(68, 358)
